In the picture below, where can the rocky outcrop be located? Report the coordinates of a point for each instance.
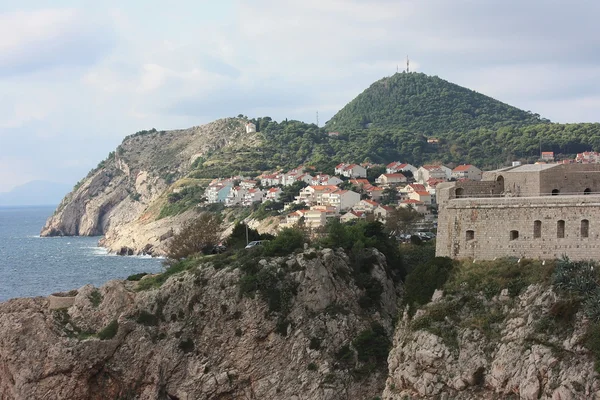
(492, 349)
(119, 198)
(197, 337)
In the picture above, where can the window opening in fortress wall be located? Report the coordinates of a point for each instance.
(585, 228)
(560, 229)
(537, 229)
(470, 235)
(514, 235)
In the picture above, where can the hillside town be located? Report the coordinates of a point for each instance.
(352, 192)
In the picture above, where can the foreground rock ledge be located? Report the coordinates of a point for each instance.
(195, 337)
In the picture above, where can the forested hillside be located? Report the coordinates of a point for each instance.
(426, 105)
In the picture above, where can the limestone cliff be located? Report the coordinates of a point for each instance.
(522, 347)
(122, 197)
(197, 337)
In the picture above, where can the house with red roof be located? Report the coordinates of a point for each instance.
(273, 194)
(417, 205)
(588, 157)
(390, 179)
(366, 205)
(350, 170)
(547, 156)
(383, 212)
(426, 172)
(341, 199)
(467, 171)
(353, 216)
(422, 196)
(398, 166)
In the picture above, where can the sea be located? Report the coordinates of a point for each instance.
(31, 265)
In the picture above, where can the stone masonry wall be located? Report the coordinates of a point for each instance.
(491, 221)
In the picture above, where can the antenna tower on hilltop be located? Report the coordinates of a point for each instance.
(317, 118)
(407, 64)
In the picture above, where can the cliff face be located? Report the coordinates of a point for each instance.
(525, 347)
(120, 199)
(196, 337)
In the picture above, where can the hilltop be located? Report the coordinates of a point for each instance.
(427, 105)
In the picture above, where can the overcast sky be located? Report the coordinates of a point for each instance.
(78, 76)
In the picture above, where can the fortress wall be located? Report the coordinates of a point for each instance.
(493, 219)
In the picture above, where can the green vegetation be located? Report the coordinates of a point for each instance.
(109, 331)
(95, 297)
(425, 279)
(157, 280)
(426, 105)
(187, 198)
(186, 345)
(145, 318)
(136, 277)
(372, 345)
(197, 236)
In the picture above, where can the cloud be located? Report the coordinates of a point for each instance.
(42, 39)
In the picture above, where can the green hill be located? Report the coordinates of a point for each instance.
(427, 105)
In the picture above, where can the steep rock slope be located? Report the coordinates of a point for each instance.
(195, 337)
(124, 187)
(523, 347)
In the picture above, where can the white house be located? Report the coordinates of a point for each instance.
(352, 216)
(341, 199)
(250, 127)
(248, 184)
(235, 196)
(217, 192)
(315, 218)
(397, 166)
(427, 172)
(467, 171)
(366, 206)
(252, 196)
(391, 179)
(350, 170)
(422, 196)
(273, 194)
(417, 205)
(313, 195)
(383, 212)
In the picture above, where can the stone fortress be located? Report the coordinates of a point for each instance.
(539, 211)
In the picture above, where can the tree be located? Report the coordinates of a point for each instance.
(389, 196)
(374, 173)
(196, 236)
(402, 220)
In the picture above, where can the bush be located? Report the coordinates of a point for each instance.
(345, 357)
(315, 343)
(285, 242)
(95, 298)
(197, 236)
(136, 277)
(312, 367)
(425, 279)
(157, 280)
(145, 318)
(372, 345)
(186, 345)
(109, 331)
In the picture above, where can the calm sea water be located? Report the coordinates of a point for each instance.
(34, 266)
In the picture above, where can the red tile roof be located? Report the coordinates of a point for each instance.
(462, 168)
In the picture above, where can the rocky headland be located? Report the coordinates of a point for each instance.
(122, 198)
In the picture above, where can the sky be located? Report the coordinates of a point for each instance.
(76, 77)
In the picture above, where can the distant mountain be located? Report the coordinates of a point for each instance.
(427, 105)
(35, 193)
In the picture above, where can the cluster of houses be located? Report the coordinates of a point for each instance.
(325, 197)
